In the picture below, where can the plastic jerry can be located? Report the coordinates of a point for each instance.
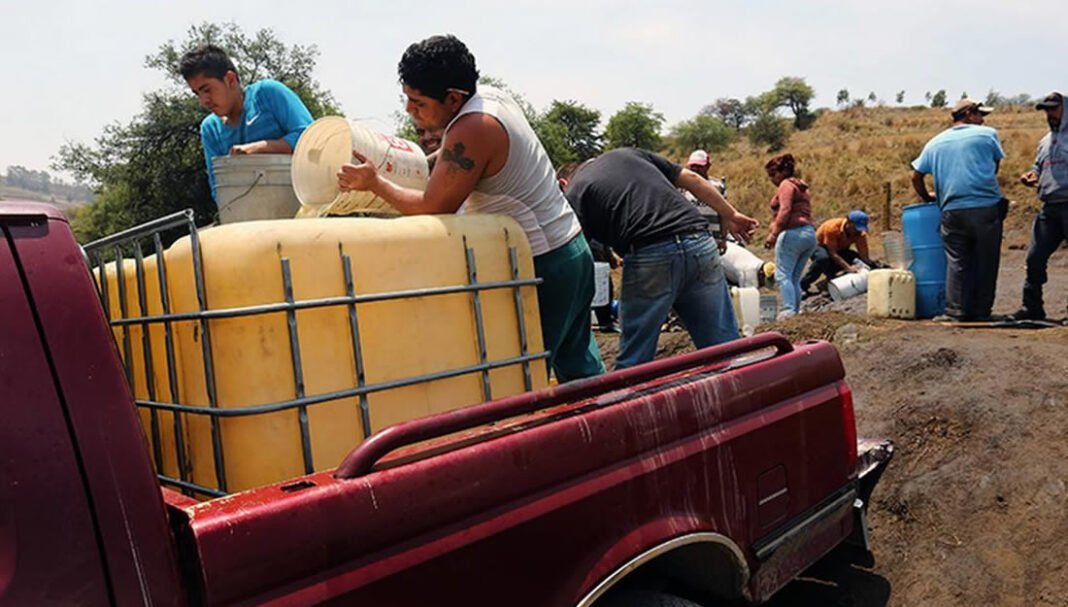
(891, 294)
(746, 302)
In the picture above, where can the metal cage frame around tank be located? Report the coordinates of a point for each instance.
(130, 242)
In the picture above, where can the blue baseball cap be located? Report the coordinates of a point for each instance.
(859, 219)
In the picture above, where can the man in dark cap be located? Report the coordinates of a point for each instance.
(1050, 175)
(964, 160)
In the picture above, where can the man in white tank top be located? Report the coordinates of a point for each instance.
(491, 161)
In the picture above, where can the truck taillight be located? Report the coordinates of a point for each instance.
(849, 423)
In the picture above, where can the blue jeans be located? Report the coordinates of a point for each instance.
(684, 273)
(792, 250)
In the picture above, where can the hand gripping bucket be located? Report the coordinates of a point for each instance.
(328, 143)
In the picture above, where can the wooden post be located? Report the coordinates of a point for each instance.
(886, 210)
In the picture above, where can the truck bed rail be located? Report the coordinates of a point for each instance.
(362, 458)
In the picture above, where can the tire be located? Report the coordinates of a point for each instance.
(647, 598)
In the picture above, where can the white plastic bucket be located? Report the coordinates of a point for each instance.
(848, 285)
(601, 294)
(328, 143)
(254, 186)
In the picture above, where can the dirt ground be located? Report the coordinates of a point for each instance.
(973, 510)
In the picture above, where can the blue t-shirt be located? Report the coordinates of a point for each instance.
(963, 160)
(271, 111)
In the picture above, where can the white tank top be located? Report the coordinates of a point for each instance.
(526, 186)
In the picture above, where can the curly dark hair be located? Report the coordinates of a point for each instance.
(206, 60)
(783, 163)
(438, 64)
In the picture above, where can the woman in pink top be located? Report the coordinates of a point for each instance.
(791, 233)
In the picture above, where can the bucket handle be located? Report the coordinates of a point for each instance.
(259, 175)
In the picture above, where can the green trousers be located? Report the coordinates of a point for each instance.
(564, 298)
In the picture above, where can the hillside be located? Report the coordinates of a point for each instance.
(12, 193)
(848, 156)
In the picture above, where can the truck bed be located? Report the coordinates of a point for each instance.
(738, 444)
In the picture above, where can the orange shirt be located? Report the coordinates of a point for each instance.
(831, 234)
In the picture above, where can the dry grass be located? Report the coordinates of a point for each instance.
(848, 157)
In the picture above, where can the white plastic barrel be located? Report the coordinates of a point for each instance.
(254, 186)
(328, 143)
(848, 285)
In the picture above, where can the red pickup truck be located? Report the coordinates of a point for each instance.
(712, 476)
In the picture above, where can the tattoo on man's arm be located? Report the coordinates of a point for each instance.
(455, 156)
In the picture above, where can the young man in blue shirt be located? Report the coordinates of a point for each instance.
(265, 117)
(964, 160)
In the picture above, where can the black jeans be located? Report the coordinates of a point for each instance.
(1049, 231)
(972, 240)
(821, 264)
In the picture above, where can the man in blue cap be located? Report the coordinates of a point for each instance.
(834, 256)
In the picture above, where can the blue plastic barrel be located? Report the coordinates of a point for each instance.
(921, 225)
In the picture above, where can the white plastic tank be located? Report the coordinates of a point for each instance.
(254, 186)
(328, 143)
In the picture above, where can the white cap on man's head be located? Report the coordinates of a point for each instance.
(967, 104)
(699, 158)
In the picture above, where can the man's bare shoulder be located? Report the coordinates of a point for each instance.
(478, 125)
(476, 139)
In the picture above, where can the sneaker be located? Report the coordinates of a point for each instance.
(946, 318)
(612, 328)
(1028, 314)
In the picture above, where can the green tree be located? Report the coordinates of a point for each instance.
(578, 126)
(731, 111)
(795, 94)
(995, 99)
(702, 132)
(900, 97)
(843, 97)
(154, 165)
(528, 108)
(636, 125)
(872, 97)
(939, 99)
(769, 131)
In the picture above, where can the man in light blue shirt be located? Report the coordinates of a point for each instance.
(964, 160)
(265, 117)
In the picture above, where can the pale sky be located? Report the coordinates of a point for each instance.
(70, 68)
